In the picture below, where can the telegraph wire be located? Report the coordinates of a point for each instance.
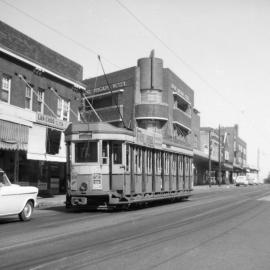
(148, 29)
(58, 32)
(34, 91)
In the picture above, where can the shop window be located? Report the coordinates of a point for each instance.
(28, 97)
(86, 152)
(5, 88)
(40, 100)
(53, 141)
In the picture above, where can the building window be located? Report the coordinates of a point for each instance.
(40, 100)
(5, 91)
(63, 108)
(28, 97)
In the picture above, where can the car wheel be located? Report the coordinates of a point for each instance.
(27, 211)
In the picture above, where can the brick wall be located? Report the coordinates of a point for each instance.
(27, 47)
(17, 98)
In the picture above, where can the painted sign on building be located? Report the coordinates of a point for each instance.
(105, 88)
(50, 121)
(180, 92)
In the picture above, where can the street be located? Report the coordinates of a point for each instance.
(226, 228)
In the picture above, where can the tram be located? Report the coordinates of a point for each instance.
(112, 167)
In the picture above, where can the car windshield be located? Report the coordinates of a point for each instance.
(4, 181)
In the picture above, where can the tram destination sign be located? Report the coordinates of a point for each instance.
(148, 138)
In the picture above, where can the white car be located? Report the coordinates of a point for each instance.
(15, 199)
(241, 180)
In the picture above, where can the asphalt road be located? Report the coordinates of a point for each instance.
(218, 229)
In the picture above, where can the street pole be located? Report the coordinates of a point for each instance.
(219, 157)
(209, 165)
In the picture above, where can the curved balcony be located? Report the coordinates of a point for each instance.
(152, 111)
(181, 119)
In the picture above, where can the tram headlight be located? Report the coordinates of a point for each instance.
(83, 187)
(73, 185)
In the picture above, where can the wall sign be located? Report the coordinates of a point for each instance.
(105, 88)
(50, 121)
(180, 92)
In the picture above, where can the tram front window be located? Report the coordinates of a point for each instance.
(86, 152)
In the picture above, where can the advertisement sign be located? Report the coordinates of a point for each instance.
(97, 181)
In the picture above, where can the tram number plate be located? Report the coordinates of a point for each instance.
(97, 181)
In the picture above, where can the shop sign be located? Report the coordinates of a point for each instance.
(50, 121)
(148, 138)
(180, 92)
(105, 88)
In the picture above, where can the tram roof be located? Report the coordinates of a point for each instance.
(97, 127)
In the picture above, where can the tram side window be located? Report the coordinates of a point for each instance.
(149, 155)
(158, 162)
(117, 153)
(86, 152)
(105, 152)
(127, 157)
(174, 164)
(139, 159)
(167, 163)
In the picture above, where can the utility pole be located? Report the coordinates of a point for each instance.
(219, 157)
(209, 165)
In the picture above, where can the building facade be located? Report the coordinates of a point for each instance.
(236, 155)
(147, 96)
(39, 96)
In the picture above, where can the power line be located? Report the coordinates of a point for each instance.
(58, 32)
(148, 29)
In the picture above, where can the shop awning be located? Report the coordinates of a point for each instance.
(39, 140)
(13, 136)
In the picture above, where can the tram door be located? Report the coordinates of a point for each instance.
(116, 168)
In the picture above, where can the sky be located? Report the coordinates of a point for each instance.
(220, 48)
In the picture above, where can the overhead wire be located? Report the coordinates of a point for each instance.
(107, 60)
(148, 29)
(59, 32)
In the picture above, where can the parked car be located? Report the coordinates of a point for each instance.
(15, 199)
(241, 180)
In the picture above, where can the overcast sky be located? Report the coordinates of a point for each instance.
(220, 48)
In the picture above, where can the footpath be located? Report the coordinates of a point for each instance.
(59, 200)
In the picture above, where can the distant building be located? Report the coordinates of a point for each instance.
(146, 96)
(236, 151)
(39, 97)
(232, 158)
